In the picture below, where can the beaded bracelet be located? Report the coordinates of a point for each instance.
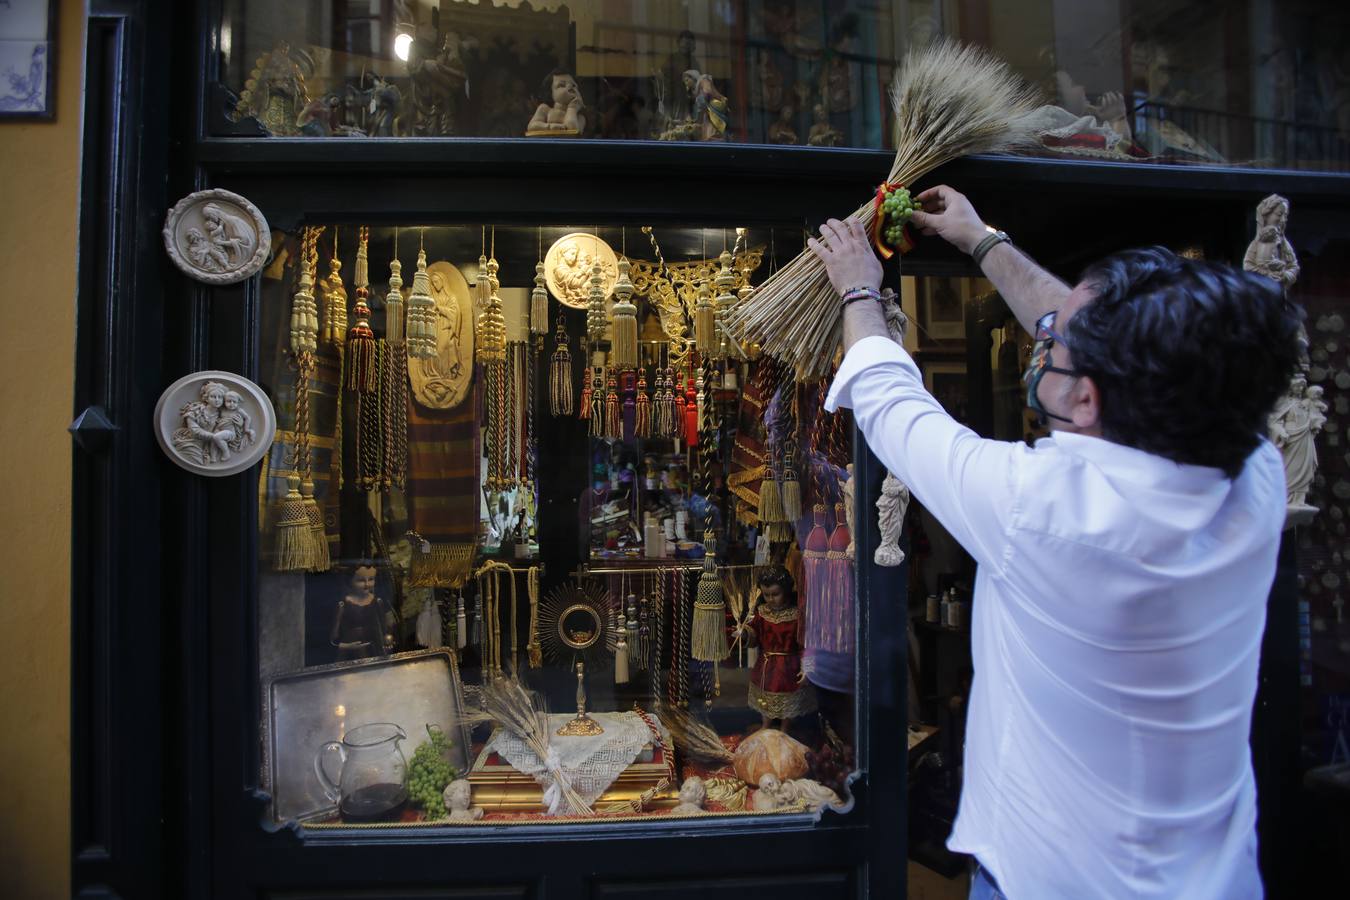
(855, 294)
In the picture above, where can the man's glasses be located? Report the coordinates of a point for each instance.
(1045, 337)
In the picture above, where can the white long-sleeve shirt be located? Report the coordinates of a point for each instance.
(1117, 619)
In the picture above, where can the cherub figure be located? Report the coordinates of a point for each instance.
(458, 797)
(562, 113)
(693, 794)
(205, 254)
(234, 429)
(771, 794)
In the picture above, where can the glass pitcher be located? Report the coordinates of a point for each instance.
(372, 785)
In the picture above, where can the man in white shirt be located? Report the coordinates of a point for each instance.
(1124, 562)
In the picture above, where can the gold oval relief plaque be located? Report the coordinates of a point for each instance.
(567, 266)
(442, 381)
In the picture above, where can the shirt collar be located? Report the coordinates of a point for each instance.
(1133, 464)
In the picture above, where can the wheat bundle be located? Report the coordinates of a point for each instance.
(692, 737)
(522, 712)
(950, 100)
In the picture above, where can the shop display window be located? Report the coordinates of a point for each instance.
(1248, 84)
(533, 546)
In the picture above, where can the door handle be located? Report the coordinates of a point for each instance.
(92, 429)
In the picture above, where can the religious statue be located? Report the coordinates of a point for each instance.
(846, 491)
(822, 133)
(275, 94)
(560, 112)
(693, 794)
(771, 93)
(782, 130)
(891, 506)
(322, 118)
(439, 82)
(669, 82)
(1270, 253)
(441, 381)
(381, 100)
(778, 688)
(1295, 422)
(458, 797)
(710, 111)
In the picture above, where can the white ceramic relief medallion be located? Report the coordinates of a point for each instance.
(214, 423)
(217, 236)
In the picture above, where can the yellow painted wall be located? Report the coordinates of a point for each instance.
(39, 180)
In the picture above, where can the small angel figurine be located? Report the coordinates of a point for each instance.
(693, 794)
(771, 794)
(458, 795)
(561, 115)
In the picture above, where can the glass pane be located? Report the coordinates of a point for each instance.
(516, 471)
(1156, 81)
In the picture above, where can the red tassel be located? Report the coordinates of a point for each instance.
(691, 413)
(585, 411)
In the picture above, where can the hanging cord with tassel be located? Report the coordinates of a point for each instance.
(295, 546)
(597, 402)
(421, 332)
(560, 372)
(682, 652)
(393, 376)
(533, 651)
(708, 643)
(334, 328)
(363, 379)
(621, 637)
(539, 296)
(491, 352)
(613, 417)
(644, 650)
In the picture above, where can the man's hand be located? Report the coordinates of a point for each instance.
(847, 254)
(949, 214)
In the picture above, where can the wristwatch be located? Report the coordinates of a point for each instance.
(992, 239)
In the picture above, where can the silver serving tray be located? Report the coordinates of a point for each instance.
(304, 709)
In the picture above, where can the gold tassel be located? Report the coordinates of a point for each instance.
(705, 322)
(481, 289)
(596, 321)
(439, 565)
(318, 553)
(624, 350)
(560, 373)
(539, 302)
(421, 334)
(334, 300)
(304, 312)
(293, 531)
(393, 303)
(770, 501)
(726, 280)
(709, 639)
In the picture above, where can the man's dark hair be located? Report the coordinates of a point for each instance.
(1188, 356)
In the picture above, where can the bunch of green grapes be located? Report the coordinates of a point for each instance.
(898, 207)
(429, 772)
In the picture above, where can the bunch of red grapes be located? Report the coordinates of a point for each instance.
(830, 765)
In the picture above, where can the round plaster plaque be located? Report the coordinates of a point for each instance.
(568, 264)
(214, 423)
(217, 236)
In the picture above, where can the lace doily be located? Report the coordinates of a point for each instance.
(589, 763)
